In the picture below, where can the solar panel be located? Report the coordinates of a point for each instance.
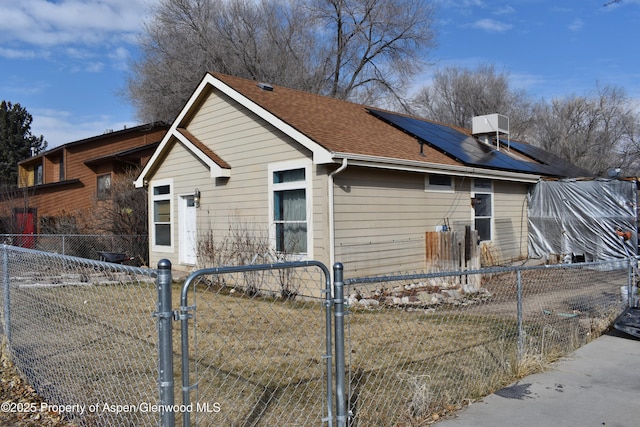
(562, 167)
(460, 146)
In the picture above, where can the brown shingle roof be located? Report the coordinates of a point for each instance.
(202, 147)
(336, 125)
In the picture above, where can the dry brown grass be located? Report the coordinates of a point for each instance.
(261, 360)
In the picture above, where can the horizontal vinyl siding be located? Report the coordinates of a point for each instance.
(381, 219)
(187, 174)
(248, 144)
(452, 209)
(321, 215)
(510, 220)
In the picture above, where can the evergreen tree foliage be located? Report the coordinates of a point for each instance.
(16, 141)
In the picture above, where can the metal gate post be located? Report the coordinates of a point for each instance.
(165, 343)
(338, 300)
(631, 287)
(328, 301)
(6, 290)
(520, 313)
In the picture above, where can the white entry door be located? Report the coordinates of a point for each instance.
(188, 230)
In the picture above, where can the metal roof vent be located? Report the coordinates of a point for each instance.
(265, 86)
(484, 127)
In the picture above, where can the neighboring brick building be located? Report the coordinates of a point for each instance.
(66, 182)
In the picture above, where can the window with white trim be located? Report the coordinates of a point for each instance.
(437, 182)
(482, 202)
(290, 208)
(161, 205)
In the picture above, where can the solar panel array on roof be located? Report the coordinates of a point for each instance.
(562, 167)
(462, 147)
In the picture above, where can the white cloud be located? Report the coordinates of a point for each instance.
(43, 23)
(527, 81)
(94, 67)
(506, 10)
(62, 127)
(80, 41)
(460, 3)
(120, 54)
(576, 25)
(491, 25)
(77, 53)
(17, 53)
(120, 58)
(16, 87)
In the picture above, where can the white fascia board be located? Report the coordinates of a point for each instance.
(426, 167)
(215, 169)
(172, 132)
(320, 154)
(140, 181)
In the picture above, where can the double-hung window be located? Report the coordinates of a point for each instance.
(161, 205)
(483, 207)
(290, 212)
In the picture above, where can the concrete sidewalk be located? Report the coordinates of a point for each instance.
(598, 385)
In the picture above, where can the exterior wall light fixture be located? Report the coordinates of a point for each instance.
(196, 198)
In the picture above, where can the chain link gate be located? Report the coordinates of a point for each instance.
(252, 348)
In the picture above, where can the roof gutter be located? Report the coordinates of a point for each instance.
(427, 167)
(332, 233)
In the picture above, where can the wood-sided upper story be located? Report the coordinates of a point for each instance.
(70, 178)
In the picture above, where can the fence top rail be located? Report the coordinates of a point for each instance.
(73, 235)
(84, 261)
(488, 270)
(250, 267)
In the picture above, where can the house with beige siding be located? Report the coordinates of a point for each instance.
(311, 177)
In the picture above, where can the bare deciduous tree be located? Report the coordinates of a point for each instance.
(361, 50)
(123, 210)
(596, 132)
(374, 47)
(458, 94)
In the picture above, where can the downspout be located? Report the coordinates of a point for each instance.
(332, 236)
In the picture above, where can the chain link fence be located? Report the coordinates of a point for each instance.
(258, 346)
(255, 345)
(121, 248)
(83, 335)
(419, 346)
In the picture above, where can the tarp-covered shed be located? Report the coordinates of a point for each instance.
(575, 219)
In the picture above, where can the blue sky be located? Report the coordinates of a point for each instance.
(65, 61)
